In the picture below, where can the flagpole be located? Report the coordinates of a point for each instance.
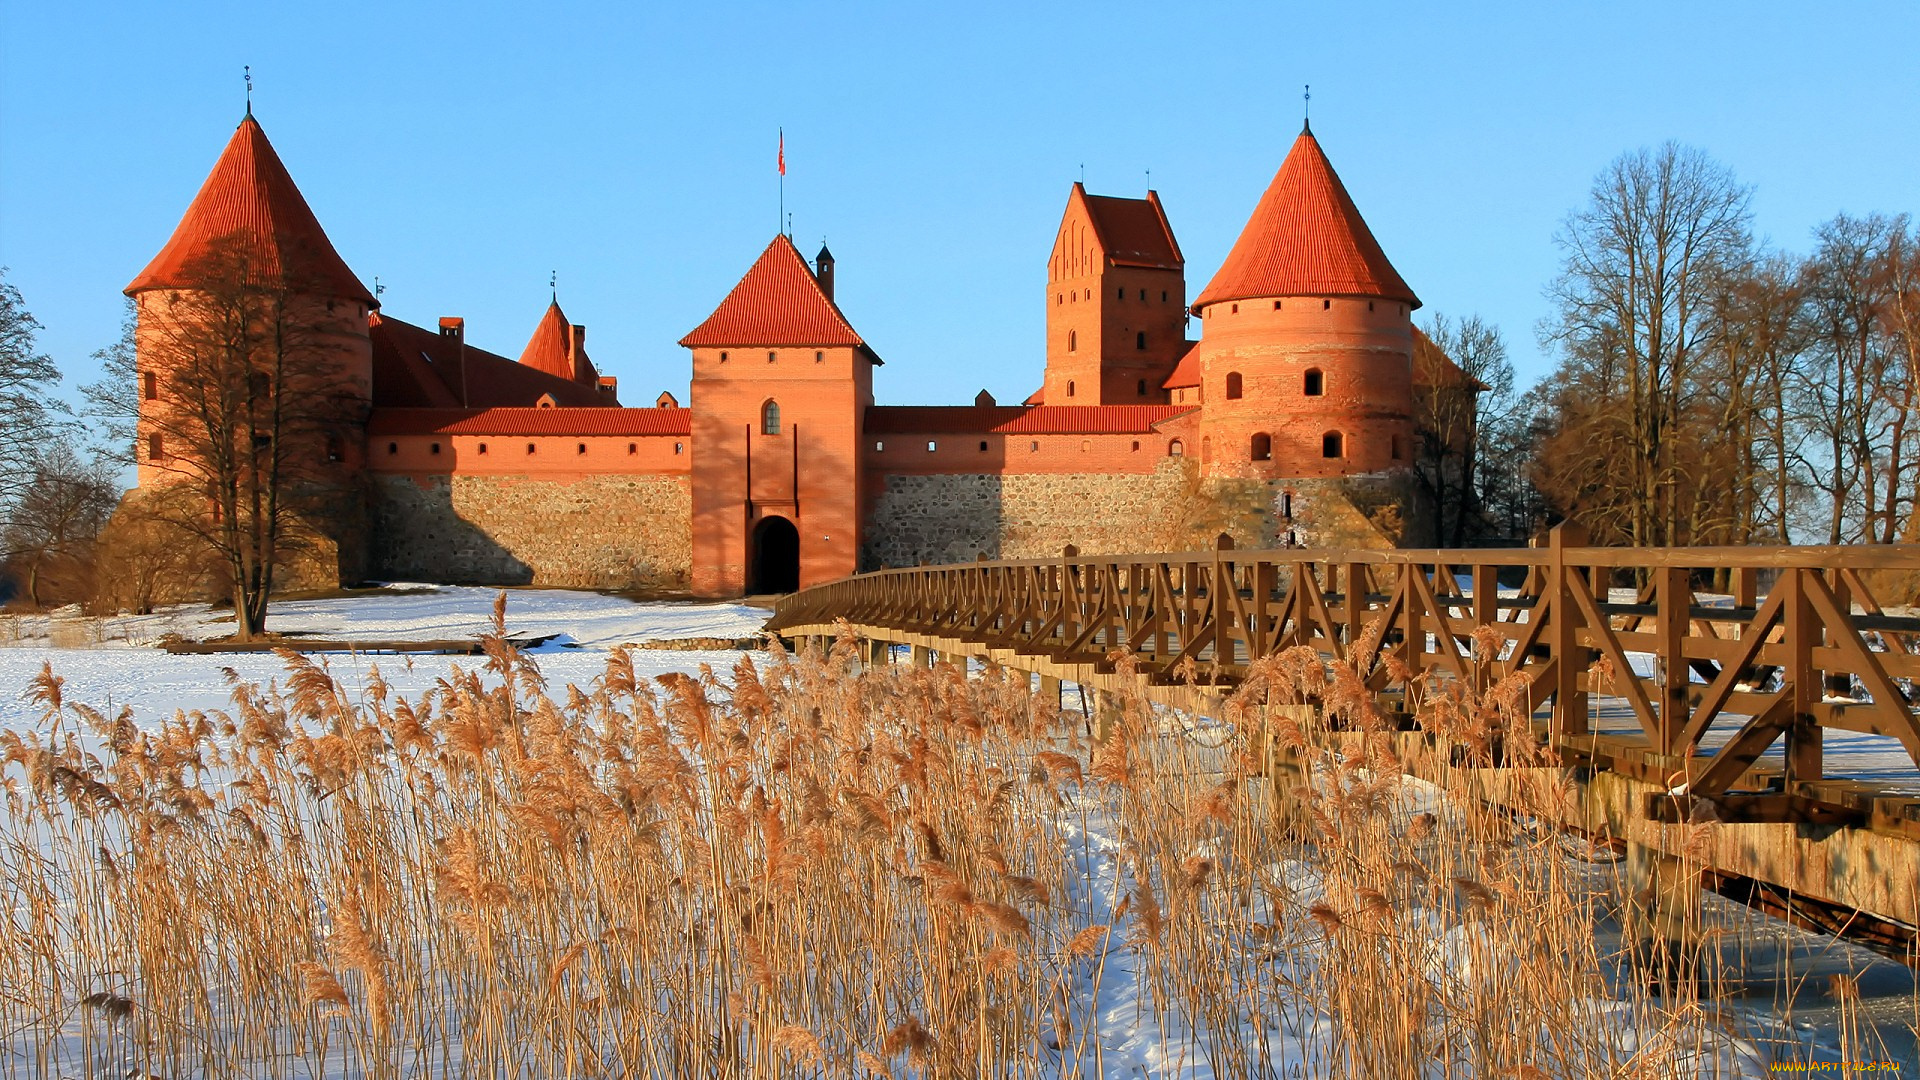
(782, 229)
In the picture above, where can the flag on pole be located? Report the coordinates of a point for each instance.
(783, 151)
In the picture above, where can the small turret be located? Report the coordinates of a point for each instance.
(823, 270)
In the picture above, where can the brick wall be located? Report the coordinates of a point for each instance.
(606, 532)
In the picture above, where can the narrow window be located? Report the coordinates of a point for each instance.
(983, 446)
(393, 448)
(771, 355)
(1120, 293)
(1143, 294)
(1236, 309)
(156, 448)
(1233, 385)
(151, 386)
(1073, 340)
(336, 449)
(1315, 383)
(1369, 305)
(1069, 387)
(529, 448)
(1326, 305)
(582, 449)
(1276, 305)
(770, 418)
(1163, 296)
(1058, 299)
(1330, 445)
(1396, 447)
(1140, 388)
(723, 356)
(1286, 505)
(1176, 448)
(1035, 448)
(879, 445)
(679, 447)
(1136, 444)
(433, 448)
(1140, 340)
(1206, 449)
(633, 448)
(1086, 445)
(932, 446)
(1262, 446)
(819, 357)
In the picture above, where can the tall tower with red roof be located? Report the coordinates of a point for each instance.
(1116, 302)
(1305, 366)
(249, 220)
(781, 386)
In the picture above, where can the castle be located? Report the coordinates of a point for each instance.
(780, 471)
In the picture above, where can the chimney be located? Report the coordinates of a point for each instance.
(823, 270)
(454, 329)
(452, 326)
(577, 350)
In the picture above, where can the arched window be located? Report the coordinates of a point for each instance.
(1176, 448)
(1073, 340)
(1069, 387)
(1233, 385)
(1262, 446)
(770, 418)
(1140, 388)
(1332, 445)
(1315, 383)
(1140, 340)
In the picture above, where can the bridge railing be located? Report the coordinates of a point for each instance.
(1784, 642)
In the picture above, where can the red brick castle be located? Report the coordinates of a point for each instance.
(781, 471)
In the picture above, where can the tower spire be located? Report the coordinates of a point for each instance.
(1306, 109)
(553, 282)
(246, 72)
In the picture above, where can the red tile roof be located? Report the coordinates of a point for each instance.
(1306, 238)
(778, 302)
(547, 349)
(521, 421)
(1038, 397)
(415, 367)
(1133, 232)
(1018, 419)
(250, 197)
(1187, 372)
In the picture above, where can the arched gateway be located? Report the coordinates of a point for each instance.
(773, 561)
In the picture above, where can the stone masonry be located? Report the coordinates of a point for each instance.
(601, 532)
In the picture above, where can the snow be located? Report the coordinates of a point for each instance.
(123, 669)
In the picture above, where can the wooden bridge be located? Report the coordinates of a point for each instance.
(1661, 679)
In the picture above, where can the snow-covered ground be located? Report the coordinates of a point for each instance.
(122, 666)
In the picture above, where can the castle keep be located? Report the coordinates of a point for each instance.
(1295, 405)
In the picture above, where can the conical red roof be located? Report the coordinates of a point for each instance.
(250, 195)
(1306, 238)
(547, 349)
(778, 303)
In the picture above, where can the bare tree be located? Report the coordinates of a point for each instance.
(1458, 369)
(26, 404)
(1642, 262)
(49, 537)
(251, 411)
(114, 400)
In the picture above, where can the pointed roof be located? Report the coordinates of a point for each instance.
(778, 302)
(415, 367)
(548, 349)
(1132, 232)
(250, 195)
(1306, 238)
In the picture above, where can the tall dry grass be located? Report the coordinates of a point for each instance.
(795, 869)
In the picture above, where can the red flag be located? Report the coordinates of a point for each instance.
(783, 152)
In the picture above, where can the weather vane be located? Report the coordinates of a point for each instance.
(1306, 96)
(377, 287)
(246, 72)
(553, 282)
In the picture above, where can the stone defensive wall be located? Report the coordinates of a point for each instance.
(581, 497)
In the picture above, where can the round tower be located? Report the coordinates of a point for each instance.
(1306, 360)
(249, 294)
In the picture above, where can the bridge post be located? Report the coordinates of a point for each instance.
(1571, 713)
(1662, 910)
(922, 657)
(1050, 689)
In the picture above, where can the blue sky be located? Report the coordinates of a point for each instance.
(461, 152)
